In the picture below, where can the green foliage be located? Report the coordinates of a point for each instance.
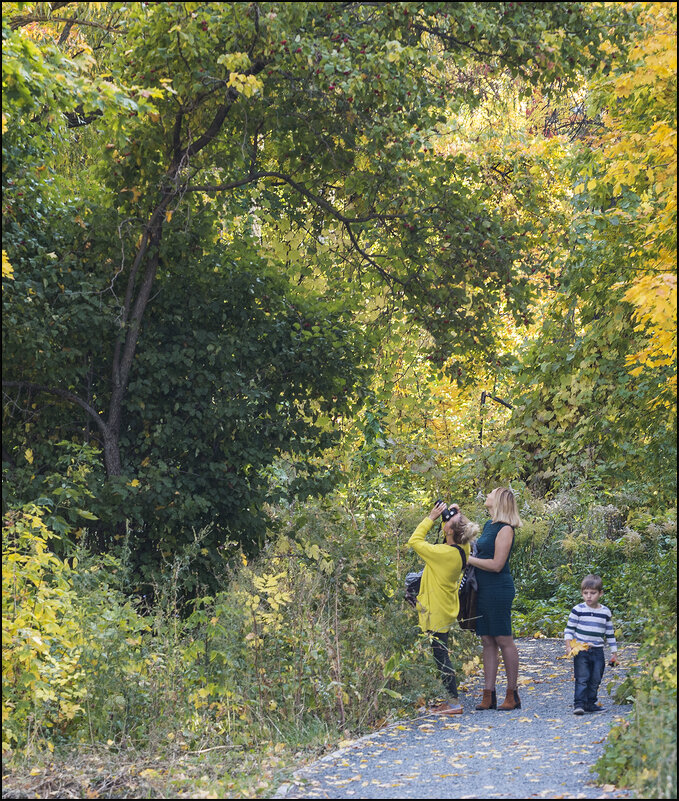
(315, 630)
(250, 244)
(41, 85)
(579, 412)
(300, 140)
(571, 535)
(277, 367)
(641, 750)
(277, 364)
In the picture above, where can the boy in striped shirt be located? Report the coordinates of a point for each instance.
(589, 623)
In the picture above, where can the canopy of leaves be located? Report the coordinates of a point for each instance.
(217, 214)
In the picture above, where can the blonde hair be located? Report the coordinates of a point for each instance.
(504, 509)
(464, 530)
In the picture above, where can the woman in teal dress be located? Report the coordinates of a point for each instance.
(495, 595)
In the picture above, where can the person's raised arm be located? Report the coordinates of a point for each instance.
(417, 539)
(503, 542)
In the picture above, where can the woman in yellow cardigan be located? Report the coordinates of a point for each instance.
(437, 602)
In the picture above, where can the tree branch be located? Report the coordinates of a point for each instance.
(26, 19)
(62, 393)
(213, 129)
(198, 144)
(64, 34)
(154, 224)
(317, 199)
(320, 201)
(452, 40)
(371, 260)
(78, 118)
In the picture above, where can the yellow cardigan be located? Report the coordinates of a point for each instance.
(438, 603)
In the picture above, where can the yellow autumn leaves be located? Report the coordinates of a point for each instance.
(37, 624)
(235, 63)
(656, 299)
(7, 269)
(247, 85)
(639, 151)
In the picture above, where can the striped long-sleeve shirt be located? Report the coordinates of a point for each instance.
(591, 626)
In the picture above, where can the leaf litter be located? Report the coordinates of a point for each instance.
(539, 751)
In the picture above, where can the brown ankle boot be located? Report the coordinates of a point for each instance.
(512, 701)
(489, 700)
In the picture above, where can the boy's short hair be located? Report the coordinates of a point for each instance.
(592, 582)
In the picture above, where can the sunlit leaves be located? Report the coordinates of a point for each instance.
(656, 300)
(248, 85)
(39, 77)
(637, 169)
(41, 650)
(7, 269)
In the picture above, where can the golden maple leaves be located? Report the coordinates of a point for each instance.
(575, 647)
(639, 152)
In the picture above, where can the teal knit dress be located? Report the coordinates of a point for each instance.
(496, 590)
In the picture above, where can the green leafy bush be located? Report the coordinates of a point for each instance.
(314, 629)
(642, 750)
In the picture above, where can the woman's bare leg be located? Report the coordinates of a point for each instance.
(491, 660)
(510, 657)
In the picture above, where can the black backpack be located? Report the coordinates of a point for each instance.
(412, 583)
(467, 591)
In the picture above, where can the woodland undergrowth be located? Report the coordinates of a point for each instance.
(308, 645)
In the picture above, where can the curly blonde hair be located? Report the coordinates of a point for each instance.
(464, 530)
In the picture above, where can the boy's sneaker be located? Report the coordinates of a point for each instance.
(578, 711)
(595, 708)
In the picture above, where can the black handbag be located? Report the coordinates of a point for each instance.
(467, 593)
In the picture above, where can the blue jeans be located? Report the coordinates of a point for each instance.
(588, 667)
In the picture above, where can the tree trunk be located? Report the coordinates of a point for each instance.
(111, 454)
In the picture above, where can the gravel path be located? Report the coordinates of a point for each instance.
(539, 751)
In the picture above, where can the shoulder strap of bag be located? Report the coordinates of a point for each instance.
(462, 554)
